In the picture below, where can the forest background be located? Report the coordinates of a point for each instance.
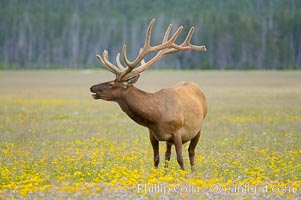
(244, 34)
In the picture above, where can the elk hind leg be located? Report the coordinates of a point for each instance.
(191, 149)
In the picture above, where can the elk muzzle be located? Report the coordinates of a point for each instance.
(95, 89)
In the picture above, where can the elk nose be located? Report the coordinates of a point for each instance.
(91, 89)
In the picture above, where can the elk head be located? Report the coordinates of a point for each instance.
(127, 76)
(112, 90)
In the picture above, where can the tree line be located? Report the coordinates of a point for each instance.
(238, 34)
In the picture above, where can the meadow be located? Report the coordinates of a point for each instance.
(56, 142)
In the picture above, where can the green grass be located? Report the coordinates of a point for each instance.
(58, 142)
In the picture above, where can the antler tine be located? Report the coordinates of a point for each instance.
(145, 48)
(148, 33)
(185, 45)
(142, 61)
(188, 39)
(101, 61)
(108, 64)
(119, 63)
(165, 38)
(175, 35)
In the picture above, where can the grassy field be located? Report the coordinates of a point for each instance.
(56, 142)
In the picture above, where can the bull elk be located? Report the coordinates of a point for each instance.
(174, 115)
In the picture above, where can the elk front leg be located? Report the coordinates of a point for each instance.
(167, 154)
(178, 145)
(155, 145)
(191, 149)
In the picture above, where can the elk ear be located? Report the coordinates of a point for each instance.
(130, 81)
(133, 79)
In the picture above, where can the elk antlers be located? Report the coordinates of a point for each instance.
(167, 47)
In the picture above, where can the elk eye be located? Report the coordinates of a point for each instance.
(111, 85)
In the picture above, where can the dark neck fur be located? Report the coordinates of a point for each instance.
(138, 105)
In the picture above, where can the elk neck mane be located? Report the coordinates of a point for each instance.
(139, 105)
